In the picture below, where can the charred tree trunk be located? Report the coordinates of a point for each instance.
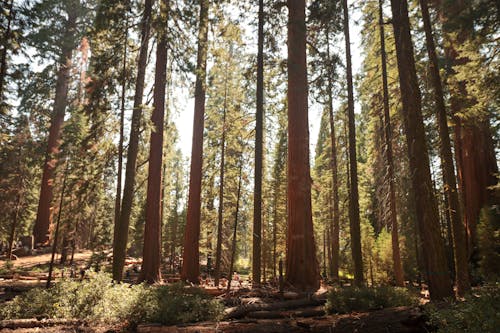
(302, 270)
(120, 242)
(43, 216)
(191, 254)
(426, 205)
(396, 256)
(151, 252)
(354, 222)
(450, 186)
(257, 198)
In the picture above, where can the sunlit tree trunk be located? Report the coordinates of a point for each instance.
(191, 254)
(43, 216)
(301, 263)
(426, 205)
(396, 256)
(120, 242)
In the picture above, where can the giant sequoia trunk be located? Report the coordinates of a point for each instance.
(354, 223)
(426, 205)
(396, 256)
(191, 255)
(121, 237)
(43, 216)
(151, 253)
(301, 263)
(474, 148)
(450, 186)
(257, 196)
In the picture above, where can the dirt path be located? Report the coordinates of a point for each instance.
(42, 259)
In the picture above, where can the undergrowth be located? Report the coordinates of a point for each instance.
(349, 299)
(478, 312)
(98, 299)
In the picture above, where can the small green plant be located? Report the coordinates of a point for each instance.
(349, 299)
(98, 299)
(478, 312)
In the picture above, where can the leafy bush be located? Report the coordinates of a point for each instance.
(349, 299)
(98, 299)
(479, 312)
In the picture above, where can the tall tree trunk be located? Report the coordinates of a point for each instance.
(474, 148)
(450, 186)
(426, 205)
(3, 56)
(220, 214)
(120, 242)
(354, 222)
(13, 226)
(151, 253)
(396, 256)
(43, 216)
(335, 240)
(235, 229)
(302, 270)
(118, 195)
(191, 254)
(257, 197)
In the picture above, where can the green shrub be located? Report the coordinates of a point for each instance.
(479, 312)
(98, 299)
(349, 299)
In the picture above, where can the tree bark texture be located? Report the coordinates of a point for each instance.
(426, 206)
(354, 221)
(191, 255)
(120, 242)
(43, 216)
(3, 56)
(450, 185)
(151, 252)
(257, 198)
(396, 255)
(302, 270)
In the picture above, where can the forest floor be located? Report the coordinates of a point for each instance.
(247, 311)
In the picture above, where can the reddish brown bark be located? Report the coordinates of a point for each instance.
(301, 264)
(43, 216)
(191, 255)
(257, 198)
(151, 253)
(450, 186)
(121, 239)
(396, 256)
(425, 201)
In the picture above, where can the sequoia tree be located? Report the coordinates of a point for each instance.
(151, 253)
(43, 217)
(302, 270)
(191, 254)
(418, 156)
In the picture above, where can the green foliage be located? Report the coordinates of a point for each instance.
(488, 232)
(98, 299)
(348, 299)
(479, 312)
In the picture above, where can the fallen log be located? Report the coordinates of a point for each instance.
(242, 310)
(33, 322)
